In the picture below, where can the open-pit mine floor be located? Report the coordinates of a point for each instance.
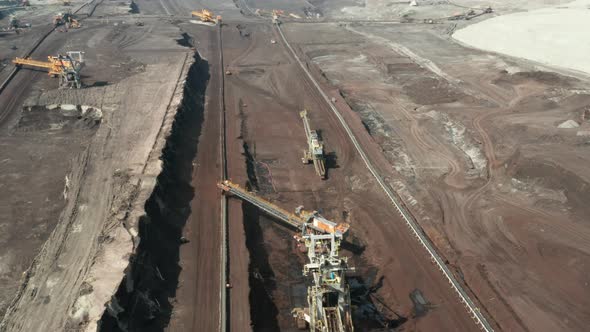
(111, 218)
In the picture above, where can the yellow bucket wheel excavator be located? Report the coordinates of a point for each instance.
(67, 19)
(66, 67)
(206, 16)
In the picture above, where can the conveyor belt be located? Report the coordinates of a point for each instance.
(309, 220)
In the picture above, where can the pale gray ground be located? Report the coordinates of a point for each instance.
(391, 10)
(554, 36)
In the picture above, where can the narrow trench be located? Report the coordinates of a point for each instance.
(250, 167)
(144, 299)
(261, 277)
(185, 40)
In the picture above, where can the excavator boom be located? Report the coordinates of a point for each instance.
(262, 204)
(300, 220)
(64, 66)
(53, 66)
(33, 63)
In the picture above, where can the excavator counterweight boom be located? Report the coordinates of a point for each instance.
(67, 67)
(301, 219)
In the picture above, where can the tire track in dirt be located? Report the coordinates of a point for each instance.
(251, 47)
(488, 146)
(489, 150)
(468, 205)
(418, 134)
(255, 41)
(546, 221)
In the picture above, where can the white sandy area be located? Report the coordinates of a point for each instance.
(556, 36)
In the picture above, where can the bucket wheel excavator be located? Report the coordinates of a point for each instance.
(329, 306)
(315, 151)
(206, 16)
(66, 67)
(66, 19)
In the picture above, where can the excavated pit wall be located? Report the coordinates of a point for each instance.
(144, 299)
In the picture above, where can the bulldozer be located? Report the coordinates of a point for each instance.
(206, 16)
(66, 19)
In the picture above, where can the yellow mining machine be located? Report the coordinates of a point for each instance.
(67, 19)
(301, 219)
(315, 151)
(328, 296)
(66, 67)
(206, 16)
